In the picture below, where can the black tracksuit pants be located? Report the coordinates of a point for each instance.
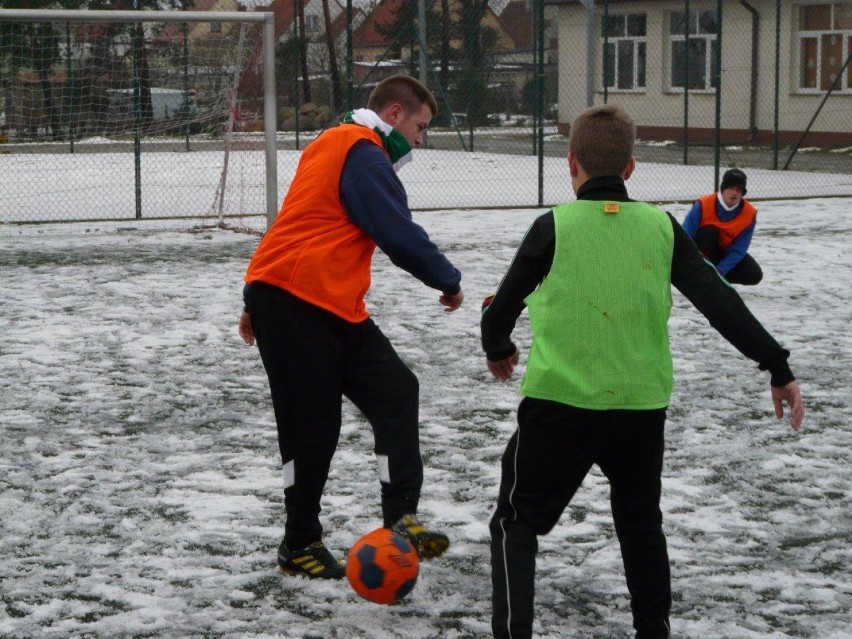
(747, 272)
(545, 462)
(313, 359)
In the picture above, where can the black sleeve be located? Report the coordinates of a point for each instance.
(719, 302)
(246, 293)
(529, 267)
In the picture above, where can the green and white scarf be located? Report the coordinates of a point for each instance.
(395, 144)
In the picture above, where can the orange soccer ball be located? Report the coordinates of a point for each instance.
(382, 566)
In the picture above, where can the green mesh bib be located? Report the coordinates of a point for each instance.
(600, 317)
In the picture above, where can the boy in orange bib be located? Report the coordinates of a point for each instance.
(722, 225)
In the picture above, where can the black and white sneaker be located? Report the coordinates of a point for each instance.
(427, 543)
(315, 562)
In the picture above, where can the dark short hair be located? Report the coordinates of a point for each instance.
(602, 140)
(407, 91)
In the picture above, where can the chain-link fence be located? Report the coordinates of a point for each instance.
(760, 84)
(711, 85)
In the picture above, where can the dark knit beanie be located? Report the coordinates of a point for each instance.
(733, 177)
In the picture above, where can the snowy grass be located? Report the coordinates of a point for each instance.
(140, 491)
(101, 186)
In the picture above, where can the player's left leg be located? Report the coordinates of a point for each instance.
(379, 383)
(299, 347)
(544, 463)
(633, 464)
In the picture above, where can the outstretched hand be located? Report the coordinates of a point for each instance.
(792, 395)
(245, 329)
(451, 302)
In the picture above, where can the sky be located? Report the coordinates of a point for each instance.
(140, 485)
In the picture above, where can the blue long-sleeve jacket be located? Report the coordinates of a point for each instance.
(736, 252)
(376, 202)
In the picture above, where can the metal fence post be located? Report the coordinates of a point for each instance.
(421, 36)
(590, 51)
(686, 84)
(185, 112)
(717, 65)
(297, 90)
(137, 121)
(349, 55)
(776, 135)
(539, 40)
(605, 29)
(269, 118)
(69, 87)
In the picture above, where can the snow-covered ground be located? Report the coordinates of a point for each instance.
(140, 491)
(99, 186)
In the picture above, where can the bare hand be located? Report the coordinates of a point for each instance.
(502, 369)
(792, 395)
(451, 302)
(245, 329)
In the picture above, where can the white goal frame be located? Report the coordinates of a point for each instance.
(265, 17)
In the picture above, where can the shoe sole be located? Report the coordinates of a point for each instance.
(300, 573)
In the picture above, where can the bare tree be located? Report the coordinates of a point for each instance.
(336, 90)
(446, 34)
(303, 50)
(471, 14)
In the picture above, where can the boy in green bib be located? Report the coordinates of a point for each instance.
(596, 277)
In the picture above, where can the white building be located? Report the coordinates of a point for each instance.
(647, 40)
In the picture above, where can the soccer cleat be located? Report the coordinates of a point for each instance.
(315, 562)
(428, 544)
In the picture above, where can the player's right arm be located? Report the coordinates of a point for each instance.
(719, 302)
(375, 202)
(244, 326)
(693, 219)
(529, 267)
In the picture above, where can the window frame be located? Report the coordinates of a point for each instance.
(636, 42)
(312, 23)
(817, 36)
(711, 40)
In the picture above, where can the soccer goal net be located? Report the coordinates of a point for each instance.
(122, 115)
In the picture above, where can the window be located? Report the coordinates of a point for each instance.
(624, 51)
(825, 40)
(311, 23)
(693, 62)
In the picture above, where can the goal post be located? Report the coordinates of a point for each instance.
(78, 82)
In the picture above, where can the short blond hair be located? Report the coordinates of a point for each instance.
(602, 140)
(407, 91)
